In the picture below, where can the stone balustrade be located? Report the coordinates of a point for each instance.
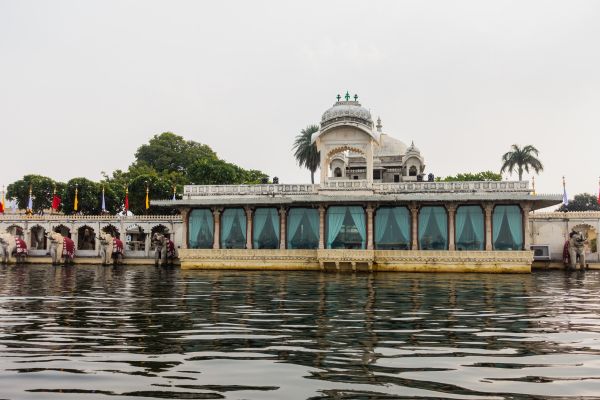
(191, 191)
(81, 218)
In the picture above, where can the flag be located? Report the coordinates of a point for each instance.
(147, 199)
(103, 201)
(565, 197)
(30, 202)
(76, 202)
(55, 202)
(126, 201)
(175, 191)
(2, 204)
(599, 191)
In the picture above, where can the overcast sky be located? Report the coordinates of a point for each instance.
(84, 83)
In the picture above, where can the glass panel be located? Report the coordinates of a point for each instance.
(201, 229)
(346, 227)
(233, 229)
(507, 227)
(303, 228)
(265, 229)
(433, 228)
(392, 228)
(469, 228)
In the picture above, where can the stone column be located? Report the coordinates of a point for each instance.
(282, 226)
(451, 226)
(185, 216)
(217, 228)
(370, 211)
(248, 227)
(321, 227)
(526, 208)
(75, 238)
(148, 243)
(369, 158)
(414, 222)
(324, 165)
(488, 208)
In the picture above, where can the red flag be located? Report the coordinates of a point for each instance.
(55, 202)
(126, 202)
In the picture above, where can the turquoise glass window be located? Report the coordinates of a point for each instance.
(233, 229)
(392, 228)
(507, 228)
(265, 229)
(346, 227)
(469, 228)
(302, 228)
(201, 229)
(433, 228)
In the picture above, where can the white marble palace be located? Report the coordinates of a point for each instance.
(373, 209)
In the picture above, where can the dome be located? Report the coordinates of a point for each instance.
(388, 146)
(347, 111)
(413, 149)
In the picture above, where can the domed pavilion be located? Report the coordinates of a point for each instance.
(372, 210)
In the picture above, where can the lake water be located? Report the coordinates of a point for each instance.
(90, 332)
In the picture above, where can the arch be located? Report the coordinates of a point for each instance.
(337, 172)
(201, 229)
(412, 171)
(302, 228)
(16, 231)
(38, 238)
(341, 149)
(63, 230)
(591, 234)
(265, 234)
(86, 238)
(135, 238)
(160, 228)
(113, 230)
(233, 228)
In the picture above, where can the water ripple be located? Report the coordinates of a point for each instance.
(140, 332)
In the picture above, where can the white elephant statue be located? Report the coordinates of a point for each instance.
(577, 242)
(111, 249)
(62, 249)
(11, 245)
(164, 250)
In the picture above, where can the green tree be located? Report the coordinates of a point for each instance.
(522, 159)
(582, 202)
(220, 172)
(305, 151)
(158, 189)
(169, 152)
(42, 189)
(472, 176)
(89, 197)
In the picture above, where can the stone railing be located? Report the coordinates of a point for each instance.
(62, 217)
(237, 190)
(356, 185)
(566, 215)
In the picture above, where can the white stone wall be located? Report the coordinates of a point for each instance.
(553, 229)
(97, 223)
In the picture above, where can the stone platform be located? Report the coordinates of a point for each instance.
(359, 260)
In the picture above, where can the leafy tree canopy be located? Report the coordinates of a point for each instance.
(582, 202)
(169, 152)
(472, 176)
(42, 189)
(219, 172)
(166, 161)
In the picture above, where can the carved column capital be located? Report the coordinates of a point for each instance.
(488, 207)
(451, 207)
(217, 211)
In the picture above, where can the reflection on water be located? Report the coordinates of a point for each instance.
(140, 332)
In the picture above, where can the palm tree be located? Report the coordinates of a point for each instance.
(306, 152)
(523, 159)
